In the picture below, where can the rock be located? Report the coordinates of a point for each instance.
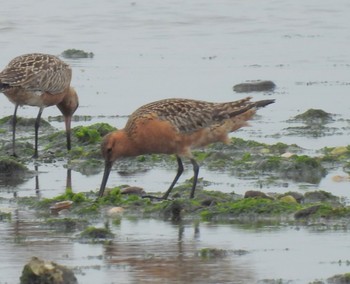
(320, 196)
(133, 190)
(254, 86)
(307, 212)
(255, 194)
(315, 116)
(40, 271)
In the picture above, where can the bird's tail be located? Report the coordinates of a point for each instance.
(264, 103)
(232, 109)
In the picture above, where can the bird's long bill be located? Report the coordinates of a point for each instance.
(108, 167)
(67, 121)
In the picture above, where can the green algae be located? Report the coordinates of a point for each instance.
(92, 232)
(87, 135)
(206, 206)
(5, 216)
(111, 197)
(9, 165)
(212, 253)
(251, 207)
(66, 224)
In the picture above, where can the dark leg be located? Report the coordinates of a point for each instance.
(195, 176)
(69, 179)
(37, 187)
(180, 169)
(14, 122)
(37, 124)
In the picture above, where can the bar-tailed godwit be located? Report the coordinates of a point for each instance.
(39, 80)
(176, 126)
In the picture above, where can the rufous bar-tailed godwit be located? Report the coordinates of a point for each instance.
(176, 126)
(39, 80)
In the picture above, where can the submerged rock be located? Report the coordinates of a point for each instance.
(96, 233)
(306, 212)
(339, 279)
(13, 172)
(76, 53)
(9, 166)
(23, 122)
(314, 124)
(48, 272)
(256, 194)
(315, 116)
(133, 190)
(254, 86)
(320, 196)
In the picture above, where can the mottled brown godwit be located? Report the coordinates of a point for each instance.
(175, 126)
(40, 80)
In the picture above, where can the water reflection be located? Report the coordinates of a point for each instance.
(68, 180)
(171, 259)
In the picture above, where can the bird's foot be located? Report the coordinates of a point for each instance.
(14, 155)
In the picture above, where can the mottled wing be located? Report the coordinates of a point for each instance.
(37, 72)
(185, 115)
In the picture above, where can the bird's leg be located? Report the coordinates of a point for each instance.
(195, 176)
(180, 169)
(14, 122)
(37, 124)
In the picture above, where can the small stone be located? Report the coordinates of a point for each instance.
(338, 151)
(133, 190)
(338, 178)
(57, 207)
(287, 155)
(115, 211)
(288, 199)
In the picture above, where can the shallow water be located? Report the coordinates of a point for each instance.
(171, 253)
(146, 51)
